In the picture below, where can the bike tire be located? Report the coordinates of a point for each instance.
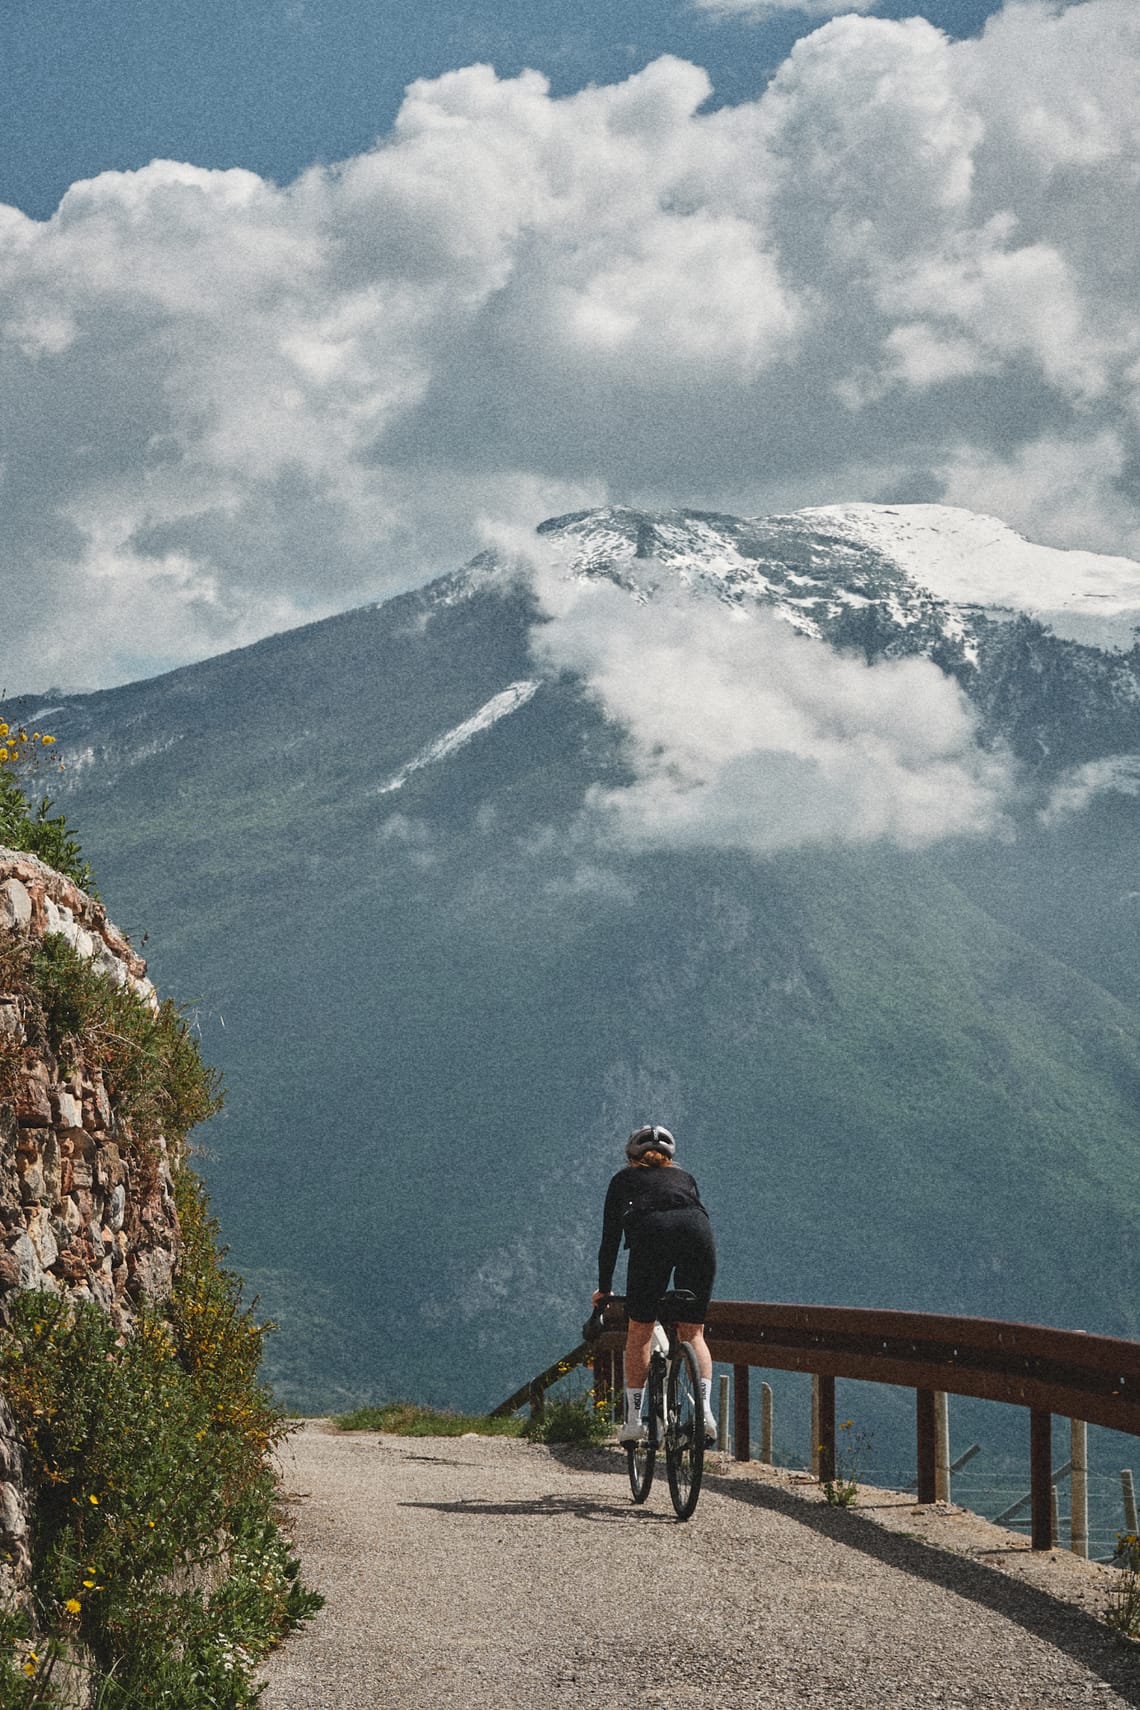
(642, 1457)
(684, 1431)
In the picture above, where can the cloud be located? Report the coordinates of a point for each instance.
(1116, 774)
(743, 734)
(761, 9)
(911, 264)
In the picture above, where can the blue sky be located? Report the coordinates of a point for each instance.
(280, 335)
(274, 85)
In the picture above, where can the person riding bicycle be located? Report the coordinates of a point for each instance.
(667, 1230)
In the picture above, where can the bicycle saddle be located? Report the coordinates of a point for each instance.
(675, 1306)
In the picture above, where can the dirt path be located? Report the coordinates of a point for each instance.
(491, 1574)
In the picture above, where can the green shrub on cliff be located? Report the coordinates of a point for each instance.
(157, 1557)
(35, 830)
(149, 1059)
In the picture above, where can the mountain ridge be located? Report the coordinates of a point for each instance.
(439, 1007)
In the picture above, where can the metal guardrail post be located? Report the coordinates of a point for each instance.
(766, 1423)
(1079, 1489)
(941, 1446)
(1041, 1478)
(1128, 1492)
(722, 1414)
(927, 1463)
(741, 1424)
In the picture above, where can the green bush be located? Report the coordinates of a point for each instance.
(570, 1419)
(1123, 1612)
(154, 1543)
(37, 831)
(157, 1557)
(149, 1059)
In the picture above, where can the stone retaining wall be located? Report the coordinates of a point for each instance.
(83, 1212)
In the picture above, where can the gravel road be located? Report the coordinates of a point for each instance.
(492, 1574)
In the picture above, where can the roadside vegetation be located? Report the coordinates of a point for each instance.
(568, 1418)
(409, 1419)
(160, 1573)
(35, 830)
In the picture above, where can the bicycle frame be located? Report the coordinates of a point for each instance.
(675, 1415)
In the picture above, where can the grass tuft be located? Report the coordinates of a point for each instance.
(408, 1419)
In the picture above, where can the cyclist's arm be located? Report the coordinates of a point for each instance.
(611, 1237)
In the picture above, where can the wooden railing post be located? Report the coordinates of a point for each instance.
(741, 1426)
(816, 1439)
(1041, 1478)
(927, 1475)
(826, 1429)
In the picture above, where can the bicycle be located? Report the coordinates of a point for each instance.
(675, 1412)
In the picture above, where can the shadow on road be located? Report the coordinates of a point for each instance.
(544, 1507)
(1047, 1618)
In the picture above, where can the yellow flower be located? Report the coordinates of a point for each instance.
(29, 1668)
(94, 1500)
(47, 740)
(88, 1585)
(3, 729)
(73, 1606)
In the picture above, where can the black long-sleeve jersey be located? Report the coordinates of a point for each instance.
(634, 1194)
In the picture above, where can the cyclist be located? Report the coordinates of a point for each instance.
(658, 1209)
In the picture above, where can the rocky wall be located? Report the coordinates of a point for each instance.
(83, 1211)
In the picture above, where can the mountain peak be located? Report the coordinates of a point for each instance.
(933, 564)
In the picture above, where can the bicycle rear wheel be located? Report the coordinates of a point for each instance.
(642, 1456)
(684, 1431)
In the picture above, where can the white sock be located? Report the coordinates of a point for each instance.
(706, 1394)
(633, 1399)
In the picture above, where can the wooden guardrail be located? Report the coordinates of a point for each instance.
(1066, 1372)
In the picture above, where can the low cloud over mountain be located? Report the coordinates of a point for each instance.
(908, 269)
(746, 735)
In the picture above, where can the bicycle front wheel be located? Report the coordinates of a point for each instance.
(642, 1456)
(684, 1431)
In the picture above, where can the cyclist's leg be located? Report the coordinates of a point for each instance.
(638, 1337)
(694, 1335)
(696, 1270)
(646, 1277)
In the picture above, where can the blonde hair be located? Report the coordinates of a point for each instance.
(652, 1160)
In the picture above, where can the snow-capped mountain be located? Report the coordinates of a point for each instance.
(930, 567)
(360, 844)
(1042, 640)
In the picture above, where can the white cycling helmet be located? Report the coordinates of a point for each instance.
(651, 1138)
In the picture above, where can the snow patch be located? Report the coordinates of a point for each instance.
(974, 560)
(508, 700)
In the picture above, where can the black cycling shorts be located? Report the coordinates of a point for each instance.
(664, 1243)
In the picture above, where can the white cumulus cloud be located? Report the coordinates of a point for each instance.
(745, 735)
(760, 9)
(910, 268)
